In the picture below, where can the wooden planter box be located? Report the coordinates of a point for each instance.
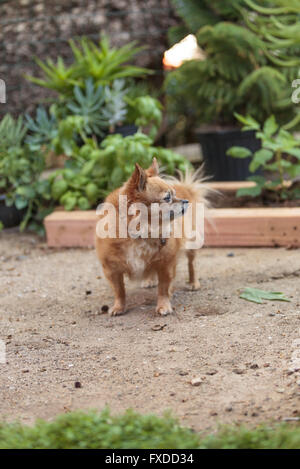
(231, 227)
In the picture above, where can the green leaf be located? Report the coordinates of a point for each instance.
(270, 126)
(91, 191)
(294, 152)
(256, 296)
(254, 191)
(59, 188)
(83, 203)
(248, 121)
(239, 152)
(26, 191)
(260, 157)
(70, 202)
(21, 203)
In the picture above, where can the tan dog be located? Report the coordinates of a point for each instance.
(147, 257)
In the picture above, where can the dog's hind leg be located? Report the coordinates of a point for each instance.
(192, 261)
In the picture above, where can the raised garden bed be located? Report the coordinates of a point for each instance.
(232, 227)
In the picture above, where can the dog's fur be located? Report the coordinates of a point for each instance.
(149, 258)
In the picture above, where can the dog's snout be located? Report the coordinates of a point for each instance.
(184, 205)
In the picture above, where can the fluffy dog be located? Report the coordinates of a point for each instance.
(141, 255)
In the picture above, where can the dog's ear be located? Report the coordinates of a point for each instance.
(153, 170)
(138, 178)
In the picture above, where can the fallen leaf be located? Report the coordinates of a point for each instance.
(256, 296)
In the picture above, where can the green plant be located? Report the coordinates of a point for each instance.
(279, 156)
(20, 169)
(88, 104)
(92, 171)
(42, 129)
(115, 111)
(12, 132)
(79, 430)
(92, 112)
(100, 62)
(245, 70)
(145, 111)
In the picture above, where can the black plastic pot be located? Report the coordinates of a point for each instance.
(126, 130)
(10, 216)
(220, 166)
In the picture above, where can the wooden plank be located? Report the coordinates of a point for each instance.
(229, 186)
(233, 186)
(253, 227)
(71, 229)
(229, 227)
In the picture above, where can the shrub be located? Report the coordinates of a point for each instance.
(93, 171)
(252, 57)
(20, 169)
(279, 156)
(100, 62)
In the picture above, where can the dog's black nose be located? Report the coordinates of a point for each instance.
(184, 205)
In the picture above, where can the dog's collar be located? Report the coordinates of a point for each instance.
(162, 241)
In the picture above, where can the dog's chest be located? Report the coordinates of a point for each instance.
(139, 256)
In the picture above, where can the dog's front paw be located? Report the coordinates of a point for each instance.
(164, 307)
(116, 310)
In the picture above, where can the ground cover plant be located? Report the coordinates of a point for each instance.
(131, 430)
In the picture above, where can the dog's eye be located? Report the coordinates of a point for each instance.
(168, 197)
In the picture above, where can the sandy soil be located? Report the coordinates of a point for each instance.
(56, 335)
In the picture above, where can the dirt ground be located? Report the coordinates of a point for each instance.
(56, 335)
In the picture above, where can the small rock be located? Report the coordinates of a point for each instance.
(77, 384)
(211, 372)
(21, 258)
(230, 254)
(228, 409)
(158, 327)
(254, 366)
(104, 309)
(238, 371)
(183, 373)
(88, 292)
(196, 381)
